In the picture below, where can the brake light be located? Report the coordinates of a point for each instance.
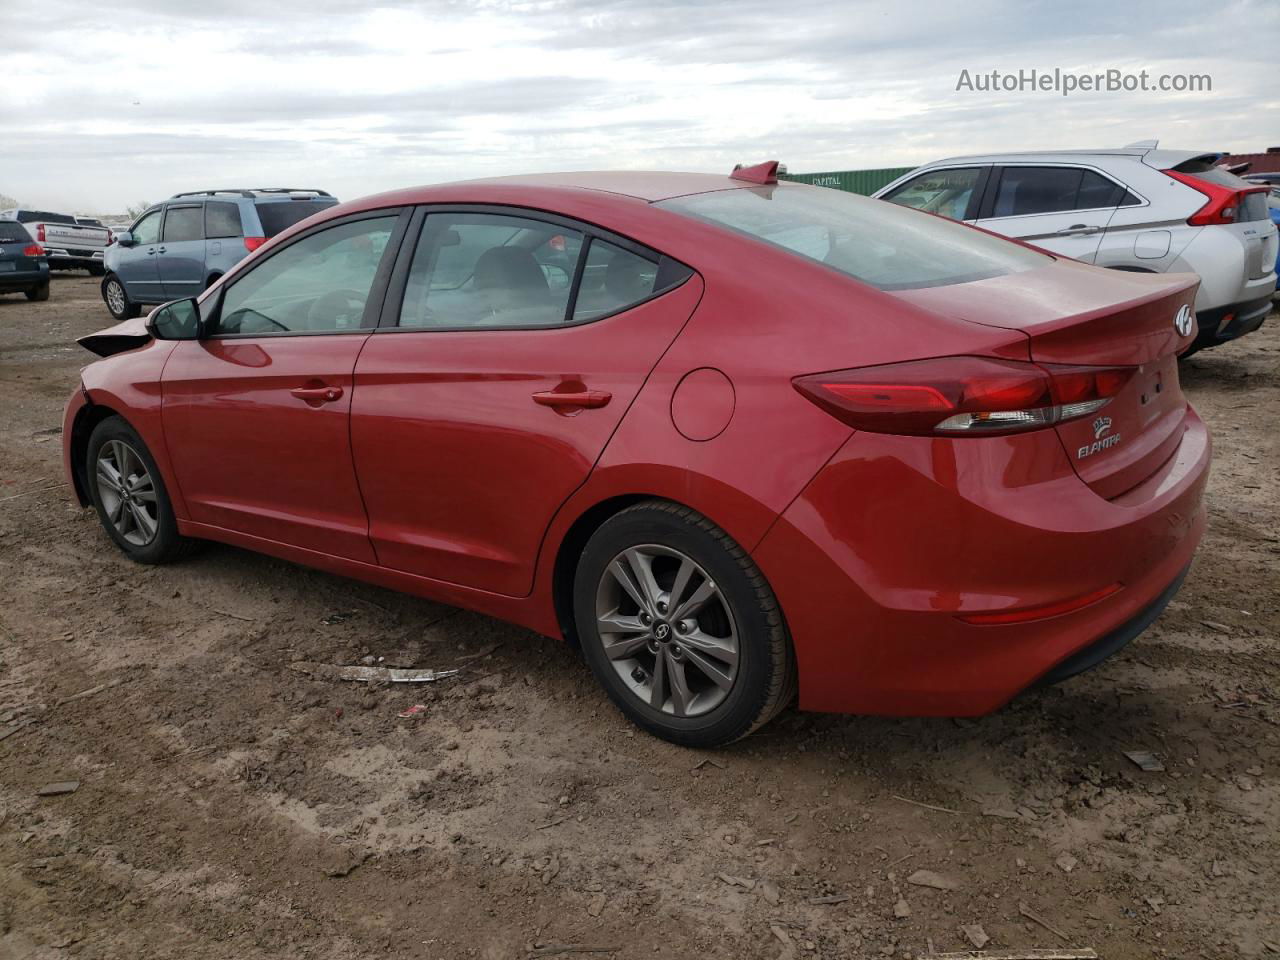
(34, 250)
(253, 243)
(962, 396)
(111, 237)
(40, 232)
(1222, 205)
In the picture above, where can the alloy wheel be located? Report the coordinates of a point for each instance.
(667, 630)
(127, 493)
(115, 297)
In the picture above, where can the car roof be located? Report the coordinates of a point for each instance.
(646, 185)
(1160, 159)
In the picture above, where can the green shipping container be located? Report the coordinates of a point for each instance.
(865, 182)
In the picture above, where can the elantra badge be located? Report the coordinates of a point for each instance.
(1182, 322)
(1102, 438)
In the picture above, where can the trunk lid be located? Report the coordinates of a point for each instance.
(1071, 313)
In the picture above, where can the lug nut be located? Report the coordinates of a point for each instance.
(683, 626)
(639, 675)
(662, 606)
(646, 619)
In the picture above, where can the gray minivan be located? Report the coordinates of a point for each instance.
(179, 247)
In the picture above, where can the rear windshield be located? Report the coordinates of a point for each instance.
(280, 214)
(879, 243)
(11, 232)
(42, 216)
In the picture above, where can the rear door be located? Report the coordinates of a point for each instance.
(180, 256)
(256, 415)
(1064, 209)
(136, 264)
(491, 390)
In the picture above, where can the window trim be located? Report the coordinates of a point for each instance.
(389, 321)
(373, 305)
(976, 197)
(989, 200)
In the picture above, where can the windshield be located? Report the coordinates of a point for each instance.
(879, 243)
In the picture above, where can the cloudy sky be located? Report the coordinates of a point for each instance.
(108, 103)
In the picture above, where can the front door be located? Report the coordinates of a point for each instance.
(136, 265)
(520, 343)
(1063, 209)
(180, 256)
(256, 415)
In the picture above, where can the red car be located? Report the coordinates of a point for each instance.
(733, 437)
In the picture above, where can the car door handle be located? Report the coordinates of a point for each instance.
(151, 251)
(163, 250)
(317, 394)
(591, 399)
(1078, 230)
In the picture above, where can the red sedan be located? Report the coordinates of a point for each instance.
(735, 438)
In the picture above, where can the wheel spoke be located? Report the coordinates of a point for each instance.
(723, 649)
(697, 600)
(623, 575)
(642, 568)
(658, 689)
(116, 513)
(109, 475)
(709, 668)
(681, 695)
(681, 582)
(146, 525)
(624, 648)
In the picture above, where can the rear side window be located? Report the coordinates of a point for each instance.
(1026, 191)
(612, 280)
(279, 215)
(183, 223)
(944, 192)
(487, 270)
(11, 232)
(880, 244)
(221, 219)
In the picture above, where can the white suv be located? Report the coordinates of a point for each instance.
(1136, 208)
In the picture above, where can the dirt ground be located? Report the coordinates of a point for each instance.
(229, 806)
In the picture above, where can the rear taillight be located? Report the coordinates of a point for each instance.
(34, 250)
(40, 232)
(111, 238)
(253, 243)
(1222, 205)
(962, 396)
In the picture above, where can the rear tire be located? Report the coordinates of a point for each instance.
(117, 301)
(702, 679)
(130, 497)
(38, 293)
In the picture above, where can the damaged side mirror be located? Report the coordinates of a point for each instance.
(178, 320)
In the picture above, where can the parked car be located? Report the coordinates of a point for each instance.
(70, 245)
(24, 268)
(1137, 208)
(1273, 208)
(1268, 179)
(179, 247)
(769, 436)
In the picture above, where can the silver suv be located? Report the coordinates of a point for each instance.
(1136, 208)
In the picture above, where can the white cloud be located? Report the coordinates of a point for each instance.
(134, 100)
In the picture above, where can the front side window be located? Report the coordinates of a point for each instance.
(488, 270)
(944, 192)
(147, 230)
(183, 223)
(886, 246)
(318, 284)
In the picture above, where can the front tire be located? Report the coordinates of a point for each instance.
(38, 293)
(130, 497)
(117, 300)
(680, 626)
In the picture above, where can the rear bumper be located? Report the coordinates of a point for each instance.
(1230, 322)
(23, 279)
(898, 538)
(65, 257)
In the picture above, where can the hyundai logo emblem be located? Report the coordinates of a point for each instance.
(1182, 322)
(661, 631)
